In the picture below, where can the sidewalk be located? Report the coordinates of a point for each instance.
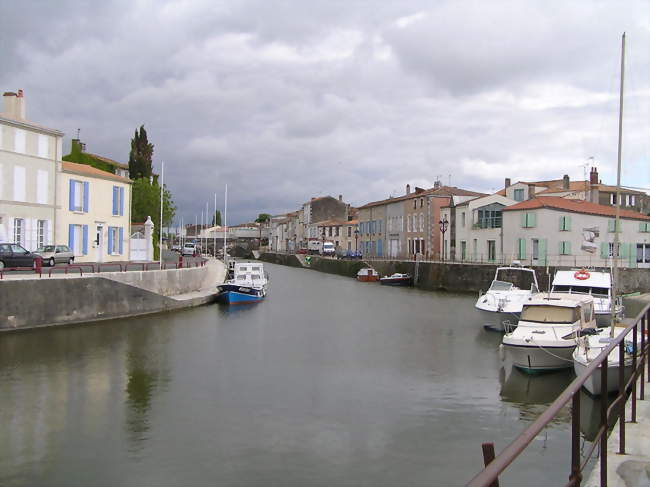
(633, 468)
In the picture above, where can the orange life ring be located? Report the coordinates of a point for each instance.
(582, 275)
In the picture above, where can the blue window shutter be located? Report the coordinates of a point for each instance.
(110, 240)
(121, 240)
(71, 208)
(71, 237)
(85, 239)
(121, 201)
(114, 200)
(86, 194)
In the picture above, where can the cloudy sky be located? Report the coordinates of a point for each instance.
(284, 100)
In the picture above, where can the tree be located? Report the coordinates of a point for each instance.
(216, 218)
(262, 218)
(146, 202)
(140, 157)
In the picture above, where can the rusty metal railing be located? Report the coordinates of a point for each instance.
(494, 466)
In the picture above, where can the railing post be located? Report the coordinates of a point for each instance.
(621, 395)
(634, 371)
(488, 456)
(603, 422)
(576, 476)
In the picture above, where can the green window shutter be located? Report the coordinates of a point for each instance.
(567, 247)
(624, 250)
(522, 248)
(542, 251)
(532, 220)
(561, 226)
(523, 219)
(567, 223)
(632, 255)
(604, 250)
(610, 225)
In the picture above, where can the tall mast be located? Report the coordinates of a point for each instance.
(225, 226)
(615, 250)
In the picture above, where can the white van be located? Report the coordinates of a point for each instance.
(188, 249)
(328, 248)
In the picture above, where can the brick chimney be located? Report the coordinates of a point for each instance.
(531, 191)
(408, 189)
(593, 176)
(565, 182)
(508, 183)
(436, 185)
(340, 197)
(14, 105)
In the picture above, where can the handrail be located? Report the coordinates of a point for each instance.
(489, 475)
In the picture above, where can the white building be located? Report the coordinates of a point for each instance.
(29, 155)
(94, 213)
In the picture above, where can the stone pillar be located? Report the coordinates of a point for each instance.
(148, 234)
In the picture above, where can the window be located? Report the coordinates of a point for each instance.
(644, 227)
(41, 187)
(421, 222)
(490, 216)
(462, 218)
(643, 253)
(492, 250)
(349, 231)
(116, 240)
(519, 195)
(535, 249)
(43, 146)
(611, 250)
(118, 201)
(612, 198)
(632, 200)
(19, 231)
(415, 204)
(528, 220)
(408, 223)
(41, 233)
(19, 183)
(565, 248)
(78, 196)
(421, 202)
(463, 249)
(565, 223)
(611, 224)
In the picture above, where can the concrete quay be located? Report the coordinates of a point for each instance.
(28, 301)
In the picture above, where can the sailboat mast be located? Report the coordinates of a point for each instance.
(225, 226)
(615, 250)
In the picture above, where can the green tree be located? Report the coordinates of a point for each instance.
(146, 202)
(216, 218)
(140, 157)
(262, 218)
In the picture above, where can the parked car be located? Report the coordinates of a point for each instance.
(13, 255)
(189, 249)
(176, 248)
(350, 254)
(51, 254)
(302, 251)
(328, 248)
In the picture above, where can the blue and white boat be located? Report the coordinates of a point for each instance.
(249, 284)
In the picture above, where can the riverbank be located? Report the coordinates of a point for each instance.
(31, 302)
(443, 276)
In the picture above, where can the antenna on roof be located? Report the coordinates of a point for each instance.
(589, 162)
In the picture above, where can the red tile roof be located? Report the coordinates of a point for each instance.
(576, 206)
(440, 191)
(86, 170)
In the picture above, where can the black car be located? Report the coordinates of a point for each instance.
(13, 255)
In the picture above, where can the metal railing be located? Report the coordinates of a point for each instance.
(494, 466)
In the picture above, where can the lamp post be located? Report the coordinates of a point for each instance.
(356, 240)
(322, 247)
(443, 228)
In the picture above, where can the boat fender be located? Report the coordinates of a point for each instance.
(502, 352)
(582, 274)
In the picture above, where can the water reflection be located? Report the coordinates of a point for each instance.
(532, 394)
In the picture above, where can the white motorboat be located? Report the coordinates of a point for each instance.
(249, 284)
(591, 346)
(547, 332)
(501, 305)
(596, 283)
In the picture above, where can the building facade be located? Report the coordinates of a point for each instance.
(94, 213)
(29, 156)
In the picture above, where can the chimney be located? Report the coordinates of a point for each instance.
(340, 197)
(408, 189)
(531, 191)
(593, 176)
(508, 182)
(436, 185)
(565, 182)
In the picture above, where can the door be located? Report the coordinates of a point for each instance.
(99, 243)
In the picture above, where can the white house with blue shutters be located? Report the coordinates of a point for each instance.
(93, 213)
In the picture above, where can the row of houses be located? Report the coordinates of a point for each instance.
(552, 222)
(45, 200)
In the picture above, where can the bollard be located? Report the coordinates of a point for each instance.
(180, 261)
(38, 264)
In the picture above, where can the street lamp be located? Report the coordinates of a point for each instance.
(443, 228)
(322, 248)
(356, 240)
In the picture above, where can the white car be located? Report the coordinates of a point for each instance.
(188, 249)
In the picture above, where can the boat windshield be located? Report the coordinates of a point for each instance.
(242, 277)
(550, 314)
(595, 291)
(501, 286)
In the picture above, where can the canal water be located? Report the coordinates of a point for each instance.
(329, 382)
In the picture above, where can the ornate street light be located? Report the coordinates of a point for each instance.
(443, 228)
(356, 240)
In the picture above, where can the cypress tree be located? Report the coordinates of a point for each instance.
(140, 156)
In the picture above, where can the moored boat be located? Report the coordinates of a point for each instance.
(547, 332)
(397, 279)
(591, 346)
(501, 304)
(249, 284)
(367, 274)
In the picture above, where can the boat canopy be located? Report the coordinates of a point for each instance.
(582, 277)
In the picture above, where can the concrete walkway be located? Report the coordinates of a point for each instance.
(633, 468)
